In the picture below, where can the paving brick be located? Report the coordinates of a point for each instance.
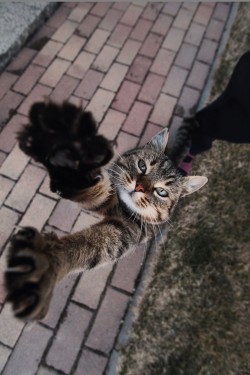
(183, 19)
(64, 89)
(119, 35)
(125, 142)
(64, 215)
(3, 265)
(111, 124)
(25, 188)
(120, 5)
(21, 61)
(175, 125)
(162, 62)
(126, 96)
(8, 106)
(6, 82)
(80, 66)
(45, 371)
(195, 34)
(37, 94)
(28, 79)
(89, 84)
(79, 102)
(131, 15)
(141, 30)
(2, 157)
(163, 110)
(207, 51)
(40, 204)
(8, 134)
(214, 30)
(128, 269)
(100, 9)
(91, 363)
(41, 37)
(58, 17)
(33, 341)
(187, 102)
(100, 103)
(61, 294)
(110, 20)
(172, 8)
(107, 322)
(72, 48)
(139, 69)
(137, 118)
(203, 14)
(4, 355)
(70, 4)
(71, 330)
(128, 52)
(149, 132)
(65, 31)
(8, 219)
(14, 164)
(10, 327)
(198, 75)
(152, 10)
(79, 12)
(97, 40)
(105, 58)
(91, 286)
(88, 25)
(55, 72)
(173, 39)
(151, 45)
(47, 53)
(186, 56)
(45, 189)
(114, 77)
(162, 24)
(85, 220)
(175, 81)
(151, 88)
(5, 187)
(221, 11)
(190, 6)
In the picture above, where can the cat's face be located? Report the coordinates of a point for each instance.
(148, 183)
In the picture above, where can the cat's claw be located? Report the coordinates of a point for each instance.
(29, 279)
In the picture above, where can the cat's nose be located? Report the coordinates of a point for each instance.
(139, 188)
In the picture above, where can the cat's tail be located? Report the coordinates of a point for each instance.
(182, 140)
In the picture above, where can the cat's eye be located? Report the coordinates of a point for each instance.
(142, 166)
(161, 192)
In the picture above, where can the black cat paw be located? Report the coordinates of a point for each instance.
(64, 139)
(28, 278)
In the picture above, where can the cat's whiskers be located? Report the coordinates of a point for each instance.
(120, 156)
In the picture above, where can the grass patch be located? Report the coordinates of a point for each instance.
(194, 318)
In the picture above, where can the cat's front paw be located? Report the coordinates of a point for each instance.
(29, 277)
(64, 139)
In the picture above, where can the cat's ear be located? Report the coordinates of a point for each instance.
(192, 184)
(159, 141)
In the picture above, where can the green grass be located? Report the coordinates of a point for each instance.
(194, 318)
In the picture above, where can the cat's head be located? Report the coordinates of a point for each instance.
(148, 183)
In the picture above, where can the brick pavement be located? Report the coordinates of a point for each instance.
(138, 67)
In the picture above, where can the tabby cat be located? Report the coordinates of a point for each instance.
(136, 193)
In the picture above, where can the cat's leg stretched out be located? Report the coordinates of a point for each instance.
(64, 139)
(37, 262)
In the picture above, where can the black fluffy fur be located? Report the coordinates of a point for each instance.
(64, 139)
